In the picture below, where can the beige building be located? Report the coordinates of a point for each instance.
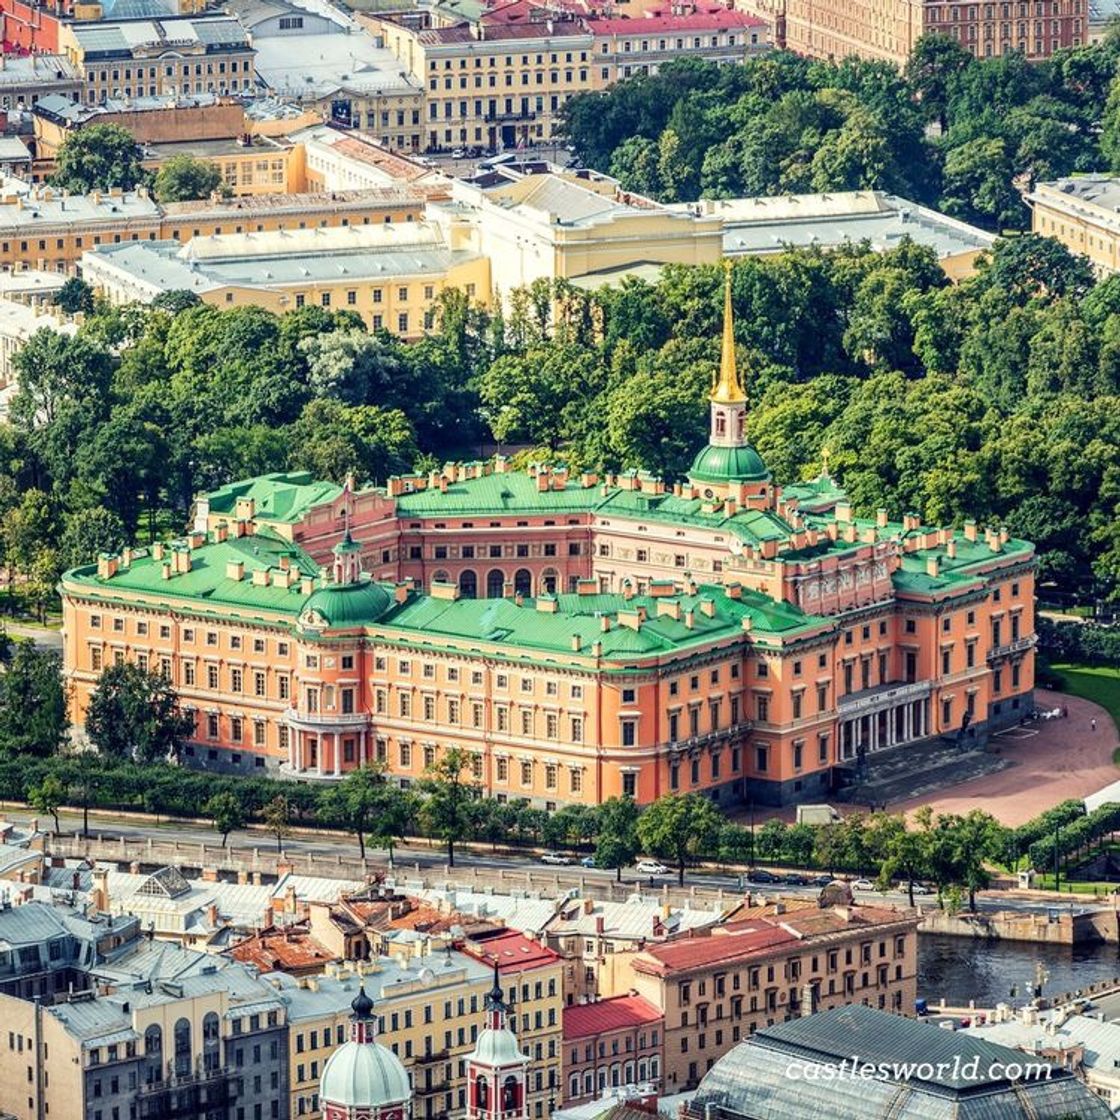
(771, 964)
(1083, 213)
(390, 274)
(147, 58)
(572, 225)
(888, 29)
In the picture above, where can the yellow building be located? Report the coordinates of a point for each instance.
(391, 274)
(1082, 213)
(430, 1007)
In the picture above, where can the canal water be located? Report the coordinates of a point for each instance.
(963, 969)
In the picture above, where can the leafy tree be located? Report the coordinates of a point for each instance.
(278, 820)
(97, 158)
(34, 718)
(932, 71)
(334, 440)
(46, 797)
(355, 802)
(394, 811)
(679, 827)
(134, 714)
(449, 794)
(183, 178)
(74, 297)
(617, 843)
(978, 184)
(88, 533)
(227, 813)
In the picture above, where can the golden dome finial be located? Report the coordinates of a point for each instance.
(728, 390)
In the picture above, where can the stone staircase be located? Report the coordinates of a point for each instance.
(917, 769)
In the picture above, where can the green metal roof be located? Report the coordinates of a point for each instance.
(728, 464)
(349, 604)
(499, 492)
(276, 497)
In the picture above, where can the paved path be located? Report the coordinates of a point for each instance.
(1065, 759)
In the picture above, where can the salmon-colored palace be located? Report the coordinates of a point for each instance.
(581, 636)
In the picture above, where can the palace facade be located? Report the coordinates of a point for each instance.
(580, 636)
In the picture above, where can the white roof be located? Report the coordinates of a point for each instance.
(1101, 1040)
(520, 912)
(630, 920)
(364, 1075)
(324, 64)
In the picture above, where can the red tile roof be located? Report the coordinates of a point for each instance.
(510, 950)
(494, 32)
(698, 21)
(283, 949)
(616, 1013)
(694, 952)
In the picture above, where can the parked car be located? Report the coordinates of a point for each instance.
(761, 875)
(650, 867)
(458, 153)
(863, 885)
(920, 888)
(795, 881)
(558, 859)
(821, 880)
(587, 861)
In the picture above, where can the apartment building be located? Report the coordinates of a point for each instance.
(179, 56)
(430, 1007)
(1083, 213)
(46, 229)
(787, 960)
(888, 30)
(610, 1044)
(25, 80)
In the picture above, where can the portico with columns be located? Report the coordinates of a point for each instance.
(881, 718)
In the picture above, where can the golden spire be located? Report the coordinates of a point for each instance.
(728, 390)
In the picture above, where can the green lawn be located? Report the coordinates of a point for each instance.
(1099, 683)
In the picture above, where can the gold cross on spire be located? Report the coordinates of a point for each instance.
(728, 390)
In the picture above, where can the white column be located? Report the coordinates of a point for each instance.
(908, 722)
(924, 711)
(873, 720)
(336, 742)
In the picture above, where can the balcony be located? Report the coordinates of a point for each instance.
(511, 117)
(1019, 645)
(722, 736)
(326, 721)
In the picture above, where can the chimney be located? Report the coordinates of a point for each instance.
(106, 566)
(235, 570)
(933, 566)
(881, 518)
(951, 549)
(970, 530)
(577, 643)
(844, 510)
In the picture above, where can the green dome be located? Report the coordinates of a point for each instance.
(728, 464)
(345, 604)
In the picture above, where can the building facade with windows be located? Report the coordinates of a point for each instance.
(1083, 213)
(610, 1044)
(888, 30)
(579, 637)
(776, 963)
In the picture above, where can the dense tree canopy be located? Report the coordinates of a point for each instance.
(951, 130)
(98, 158)
(183, 179)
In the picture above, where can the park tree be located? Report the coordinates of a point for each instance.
(617, 843)
(88, 533)
(34, 719)
(134, 714)
(183, 178)
(450, 788)
(355, 802)
(277, 817)
(369, 443)
(394, 811)
(74, 297)
(226, 811)
(679, 828)
(97, 158)
(932, 71)
(47, 797)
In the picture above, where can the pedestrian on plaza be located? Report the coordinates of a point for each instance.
(1092, 725)
(1065, 712)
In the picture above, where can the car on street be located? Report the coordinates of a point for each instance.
(458, 153)
(557, 859)
(650, 867)
(795, 881)
(918, 888)
(761, 875)
(821, 880)
(587, 861)
(863, 885)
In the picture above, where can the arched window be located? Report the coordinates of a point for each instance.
(211, 1043)
(153, 1040)
(495, 584)
(482, 1091)
(616, 1074)
(588, 1083)
(153, 1054)
(628, 1074)
(655, 1067)
(641, 1071)
(573, 1085)
(182, 1047)
(721, 424)
(441, 577)
(602, 1079)
(468, 585)
(550, 580)
(523, 581)
(509, 1094)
